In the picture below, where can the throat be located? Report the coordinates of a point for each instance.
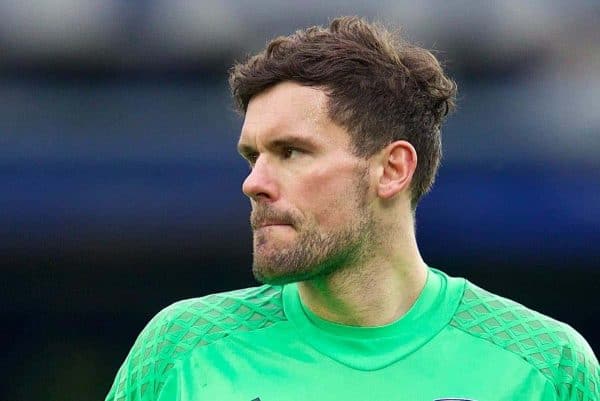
(376, 299)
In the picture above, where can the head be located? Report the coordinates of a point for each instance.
(326, 112)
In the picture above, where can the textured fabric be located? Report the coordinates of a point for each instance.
(552, 347)
(262, 344)
(187, 324)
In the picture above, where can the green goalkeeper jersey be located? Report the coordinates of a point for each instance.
(457, 342)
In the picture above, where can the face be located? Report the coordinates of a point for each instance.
(309, 193)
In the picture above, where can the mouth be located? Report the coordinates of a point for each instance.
(273, 225)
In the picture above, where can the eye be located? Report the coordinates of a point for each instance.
(289, 152)
(251, 159)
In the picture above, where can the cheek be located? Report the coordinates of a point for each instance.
(327, 197)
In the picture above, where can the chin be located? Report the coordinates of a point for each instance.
(269, 275)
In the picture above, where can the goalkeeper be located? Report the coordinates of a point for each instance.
(342, 134)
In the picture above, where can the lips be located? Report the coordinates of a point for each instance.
(263, 217)
(272, 224)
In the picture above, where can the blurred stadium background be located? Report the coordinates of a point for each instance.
(121, 187)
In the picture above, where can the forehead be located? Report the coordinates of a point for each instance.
(287, 107)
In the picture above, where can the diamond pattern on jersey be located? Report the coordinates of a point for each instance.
(181, 327)
(554, 348)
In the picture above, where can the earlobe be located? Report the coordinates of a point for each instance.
(399, 161)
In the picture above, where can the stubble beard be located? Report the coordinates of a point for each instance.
(314, 253)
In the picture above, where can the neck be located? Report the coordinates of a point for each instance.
(371, 293)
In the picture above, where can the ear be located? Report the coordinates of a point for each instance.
(399, 161)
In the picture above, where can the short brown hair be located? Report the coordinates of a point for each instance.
(380, 87)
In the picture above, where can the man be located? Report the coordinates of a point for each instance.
(342, 134)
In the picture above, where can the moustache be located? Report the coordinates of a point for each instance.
(262, 215)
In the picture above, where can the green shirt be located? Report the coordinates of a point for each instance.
(457, 341)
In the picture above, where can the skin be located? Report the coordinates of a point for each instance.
(339, 225)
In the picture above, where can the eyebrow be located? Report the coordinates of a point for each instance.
(282, 142)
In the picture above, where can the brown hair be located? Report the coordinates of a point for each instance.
(380, 87)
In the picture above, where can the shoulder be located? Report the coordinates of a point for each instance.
(201, 321)
(179, 328)
(554, 348)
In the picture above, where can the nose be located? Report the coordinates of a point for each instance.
(260, 184)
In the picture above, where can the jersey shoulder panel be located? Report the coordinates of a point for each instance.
(554, 348)
(179, 328)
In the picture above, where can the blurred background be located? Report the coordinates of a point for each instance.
(121, 187)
